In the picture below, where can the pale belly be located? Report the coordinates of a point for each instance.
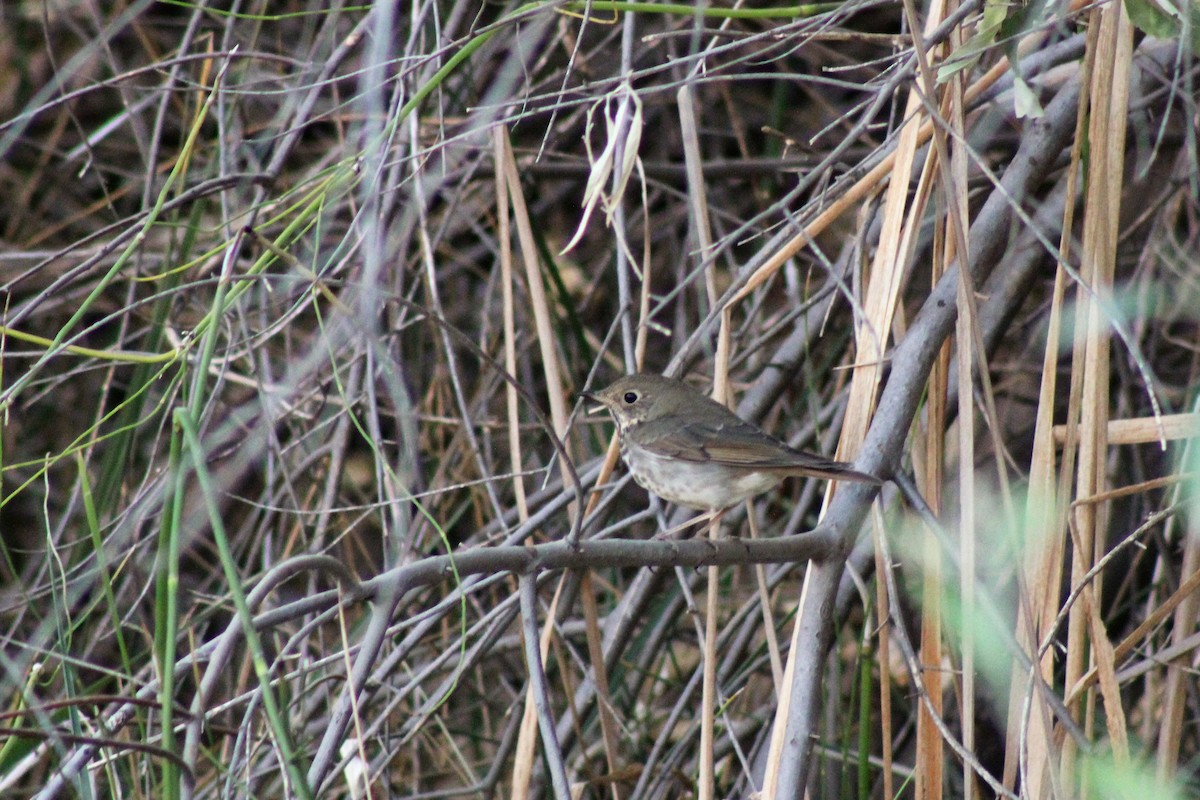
(705, 486)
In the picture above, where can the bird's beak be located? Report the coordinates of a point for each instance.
(598, 407)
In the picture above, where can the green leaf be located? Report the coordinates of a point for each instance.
(994, 12)
(1164, 20)
(1025, 100)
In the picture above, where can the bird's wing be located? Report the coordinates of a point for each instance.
(735, 444)
(739, 444)
(744, 445)
(666, 438)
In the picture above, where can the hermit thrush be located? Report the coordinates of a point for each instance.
(691, 450)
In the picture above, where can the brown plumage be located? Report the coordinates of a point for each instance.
(689, 449)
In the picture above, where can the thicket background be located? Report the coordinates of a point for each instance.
(289, 314)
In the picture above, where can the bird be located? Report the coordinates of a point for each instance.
(688, 449)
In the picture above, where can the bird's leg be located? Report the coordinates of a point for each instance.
(712, 517)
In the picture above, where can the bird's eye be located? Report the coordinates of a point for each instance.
(630, 398)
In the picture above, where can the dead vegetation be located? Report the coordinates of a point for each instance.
(298, 301)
